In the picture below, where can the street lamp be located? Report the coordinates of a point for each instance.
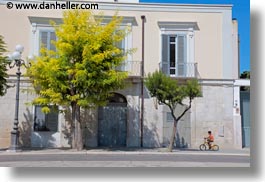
(15, 60)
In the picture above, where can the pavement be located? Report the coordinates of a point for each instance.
(124, 157)
(127, 151)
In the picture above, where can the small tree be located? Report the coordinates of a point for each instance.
(245, 75)
(3, 64)
(81, 73)
(168, 92)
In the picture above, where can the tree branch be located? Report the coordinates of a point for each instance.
(184, 112)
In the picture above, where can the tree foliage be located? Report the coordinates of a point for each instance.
(3, 70)
(245, 75)
(169, 92)
(81, 73)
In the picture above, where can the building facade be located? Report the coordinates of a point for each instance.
(182, 40)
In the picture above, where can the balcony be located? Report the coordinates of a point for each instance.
(132, 67)
(180, 70)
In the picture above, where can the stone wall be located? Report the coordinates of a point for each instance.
(7, 113)
(213, 111)
(27, 136)
(183, 135)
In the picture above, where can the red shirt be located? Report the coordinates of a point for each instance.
(211, 138)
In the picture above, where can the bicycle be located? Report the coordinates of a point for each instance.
(205, 146)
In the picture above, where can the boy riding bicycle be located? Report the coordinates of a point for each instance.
(210, 139)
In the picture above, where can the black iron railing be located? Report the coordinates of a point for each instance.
(185, 70)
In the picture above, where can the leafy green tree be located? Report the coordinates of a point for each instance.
(169, 92)
(3, 64)
(81, 73)
(245, 75)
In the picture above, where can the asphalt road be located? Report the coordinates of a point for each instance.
(121, 160)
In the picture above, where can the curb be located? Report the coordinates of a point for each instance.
(125, 153)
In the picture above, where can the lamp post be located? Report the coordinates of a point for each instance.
(15, 60)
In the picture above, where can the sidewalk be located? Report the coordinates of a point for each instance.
(128, 151)
(124, 157)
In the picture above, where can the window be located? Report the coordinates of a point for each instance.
(177, 48)
(46, 38)
(170, 117)
(42, 33)
(121, 46)
(45, 122)
(42, 36)
(174, 54)
(124, 45)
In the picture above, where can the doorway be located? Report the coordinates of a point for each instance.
(112, 122)
(245, 112)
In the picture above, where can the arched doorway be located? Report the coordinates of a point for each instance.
(112, 122)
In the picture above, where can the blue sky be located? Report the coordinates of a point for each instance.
(241, 11)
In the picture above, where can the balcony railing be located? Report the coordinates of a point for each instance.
(132, 67)
(181, 70)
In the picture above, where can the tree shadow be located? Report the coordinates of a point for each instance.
(117, 149)
(25, 129)
(67, 128)
(151, 136)
(180, 142)
(43, 139)
(88, 126)
(29, 139)
(3, 149)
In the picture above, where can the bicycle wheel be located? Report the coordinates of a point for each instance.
(203, 147)
(215, 147)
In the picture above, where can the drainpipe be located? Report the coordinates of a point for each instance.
(142, 83)
(238, 52)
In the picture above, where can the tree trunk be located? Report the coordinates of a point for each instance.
(173, 136)
(78, 130)
(73, 105)
(77, 139)
(176, 120)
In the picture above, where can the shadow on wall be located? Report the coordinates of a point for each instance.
(151, 137)
(68, 127)
(133, 123)
(88, 127)
(179, 142)
(25, 129)
(28, 138)
(43, 139)
(150, 131)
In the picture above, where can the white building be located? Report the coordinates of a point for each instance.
(183, 40)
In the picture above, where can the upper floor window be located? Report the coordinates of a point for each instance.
(43, 36)
(47, 38)
(174, 54)
(177, 48)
